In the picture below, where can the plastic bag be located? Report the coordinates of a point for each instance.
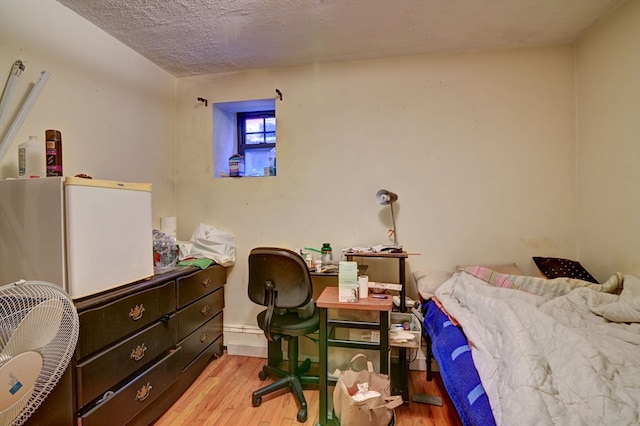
(165, 252)
(213, 244)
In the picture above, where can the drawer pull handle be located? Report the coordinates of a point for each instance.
(204, 337)
(206, 282)
(205, 310)
(138, 353)
(136, 312)
(143, 392)
(107, 395)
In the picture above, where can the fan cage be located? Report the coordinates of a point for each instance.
(16, 301)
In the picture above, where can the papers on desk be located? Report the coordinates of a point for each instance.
(389, 249)
(384, 286)
(374, 249)
(409, 303)
(397, 335)
(357, 250)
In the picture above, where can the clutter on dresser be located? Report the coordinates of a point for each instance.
(165, 252)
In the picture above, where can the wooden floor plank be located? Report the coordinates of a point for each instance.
(221, 396)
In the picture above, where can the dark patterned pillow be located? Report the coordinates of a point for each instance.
(554, 267)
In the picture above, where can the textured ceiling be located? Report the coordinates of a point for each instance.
(192, 37)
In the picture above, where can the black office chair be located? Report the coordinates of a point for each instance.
(279, 279)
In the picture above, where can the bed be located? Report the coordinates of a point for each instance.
(526, 350)
(448, 345)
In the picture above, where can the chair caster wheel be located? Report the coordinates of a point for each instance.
(302, 415)
(256, 401)
(262, 375)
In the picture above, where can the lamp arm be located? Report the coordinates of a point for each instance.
(393, 219)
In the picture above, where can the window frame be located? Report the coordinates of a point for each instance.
(241, 118)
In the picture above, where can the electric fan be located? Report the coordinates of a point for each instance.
(38, 335)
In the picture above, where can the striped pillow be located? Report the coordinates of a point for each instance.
(560, 286)
(490, 276)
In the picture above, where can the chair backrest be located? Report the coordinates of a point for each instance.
(282, 270)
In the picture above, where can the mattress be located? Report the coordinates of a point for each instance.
(451, 351)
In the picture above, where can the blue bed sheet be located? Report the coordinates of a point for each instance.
(451, 351)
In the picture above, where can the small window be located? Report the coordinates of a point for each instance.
(257, 142)
(246, 128)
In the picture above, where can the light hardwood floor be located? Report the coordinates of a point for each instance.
(222, 396)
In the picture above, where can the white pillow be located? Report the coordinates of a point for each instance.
(428, 281)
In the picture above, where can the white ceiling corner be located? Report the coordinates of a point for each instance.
(194, 37)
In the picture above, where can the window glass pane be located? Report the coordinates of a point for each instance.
(270, 124)
(271, 137)
(255, 161)
(254, 125)
(255, 138)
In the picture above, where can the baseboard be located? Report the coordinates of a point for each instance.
(417, 360)
(245, 340)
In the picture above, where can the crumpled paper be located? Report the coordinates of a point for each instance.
(364, 393)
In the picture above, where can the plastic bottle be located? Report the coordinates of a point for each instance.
(30, 159)
(236, 165)
(54, 152)
(327, 253)
(272, 162)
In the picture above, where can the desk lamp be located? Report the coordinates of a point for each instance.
(384, 197)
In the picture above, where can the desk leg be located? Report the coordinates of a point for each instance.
(404, 380)
(401, 280)
(323, 366)
(385, 348)
(402, 352)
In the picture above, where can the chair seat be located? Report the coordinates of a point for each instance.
(290, 324)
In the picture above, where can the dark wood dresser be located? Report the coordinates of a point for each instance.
(140, 347)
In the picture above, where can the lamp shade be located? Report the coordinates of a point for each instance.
(384, 197)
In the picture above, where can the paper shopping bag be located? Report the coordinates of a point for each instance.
(351, 410)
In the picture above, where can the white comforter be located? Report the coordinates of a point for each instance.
(557, 361)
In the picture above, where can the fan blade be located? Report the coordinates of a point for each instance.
(18, 377)
(36, 329)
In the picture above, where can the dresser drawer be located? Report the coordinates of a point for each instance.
(199, 284)
(200, 339)
(199, 312)
(193, 370)
(103, 371)
(136, 395)
(101, 326)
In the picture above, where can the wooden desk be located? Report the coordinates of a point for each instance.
(329, 300)
(399, 382)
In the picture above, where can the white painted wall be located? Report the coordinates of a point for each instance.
(480, 148)
(115, 109)
(608, 123)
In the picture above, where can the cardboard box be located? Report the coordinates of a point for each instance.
(348, 281)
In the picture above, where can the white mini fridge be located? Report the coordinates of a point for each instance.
(84, 235)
